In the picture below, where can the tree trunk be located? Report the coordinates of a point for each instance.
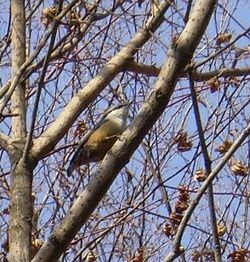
(21, 200)
(20, 214)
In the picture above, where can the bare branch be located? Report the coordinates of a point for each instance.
(138, 217)
(79, 102)
(202, 190)
(152, 70)
(21, 204)
(38, 94)
(131, 138)
(208, 168)
(9, 88)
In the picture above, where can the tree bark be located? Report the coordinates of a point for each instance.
(20, 214)
(21, 201)
(54, 133)
(179, 56)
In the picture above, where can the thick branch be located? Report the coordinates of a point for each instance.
(46, 142)
(120, 153)
(18, 58)
(20, 214)
(21, 203)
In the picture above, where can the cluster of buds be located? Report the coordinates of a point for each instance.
(239, 168)
(224, 147)
(204, 255)
(72, 18)
(240, 255)
(139, 257)
(235, 81)
(176, 216)
(36, 244)
(221, 229)
(224, 38)
(49, 14)
(183, 144)
(91, 257)
(213, 84)
(200, 175)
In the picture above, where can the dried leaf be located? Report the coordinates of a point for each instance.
(200, 175)
(213, 84)
(239, 168)
(224, 38)
(222, 229)
(224, 147)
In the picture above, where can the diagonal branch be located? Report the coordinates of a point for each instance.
(79, 102)
(119, 155)
(208, 167)
(202, 190)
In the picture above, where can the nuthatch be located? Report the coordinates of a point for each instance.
(97, 142)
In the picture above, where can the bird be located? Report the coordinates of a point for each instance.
(97, 142)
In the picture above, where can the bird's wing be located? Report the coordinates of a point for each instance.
(74, 160)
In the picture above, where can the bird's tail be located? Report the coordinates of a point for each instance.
(78, 154)
(70, 168)
(73, 162)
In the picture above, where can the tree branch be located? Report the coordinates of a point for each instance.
(202, 190)
(119, 155)
(8, 89)
(39, 89)
(21, 203)
(80, 101)
(208, 168)
(152, 70)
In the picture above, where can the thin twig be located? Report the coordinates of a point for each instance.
(39, 89)
(9, 88)
(208, 168)
(245, 133)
